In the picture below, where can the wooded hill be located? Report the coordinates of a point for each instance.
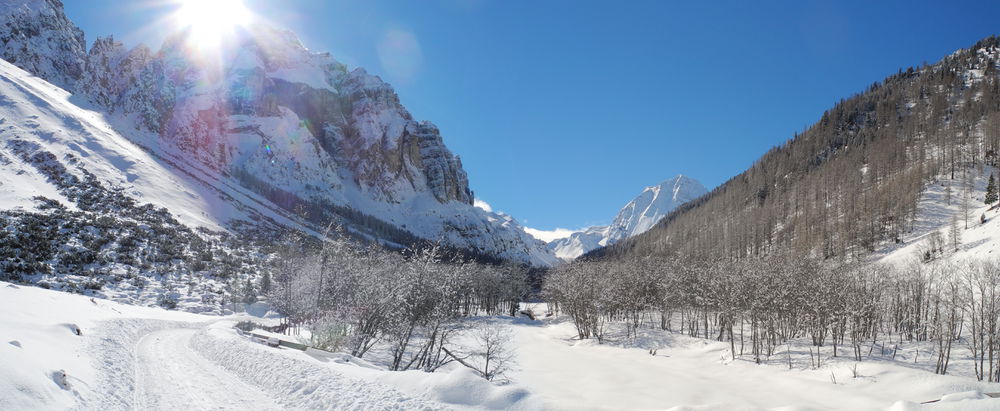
(852, 180)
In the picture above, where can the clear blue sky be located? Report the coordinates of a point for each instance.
(562, 111)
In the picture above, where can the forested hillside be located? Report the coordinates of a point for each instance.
(851, 181)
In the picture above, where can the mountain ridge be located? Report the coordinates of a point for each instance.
(295, 127)
(636, 217)
(850, 183)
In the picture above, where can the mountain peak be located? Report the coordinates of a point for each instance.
(638, 216)
(36, 36)
(654, 203)
(262, 114)
(35, 6)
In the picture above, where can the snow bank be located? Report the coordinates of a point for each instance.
(37, 341)
(960, 401)
(24, 382)
(297, 382)
(463, 388)
(129, 357)
(340, 381)
(113, 353)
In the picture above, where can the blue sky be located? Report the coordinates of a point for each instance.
(562, 111)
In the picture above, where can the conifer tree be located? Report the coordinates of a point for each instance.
(991, 190)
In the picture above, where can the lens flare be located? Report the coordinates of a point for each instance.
(210, 21)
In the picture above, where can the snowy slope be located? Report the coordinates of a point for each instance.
(654, 203)
(41, 118)
(638, 216)
(129, 357)
(580, 242)
(267, 131)
(978, 241)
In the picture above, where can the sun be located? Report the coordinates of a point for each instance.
(209, 21)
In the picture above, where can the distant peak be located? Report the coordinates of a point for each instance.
(676, 182)
(33, 5)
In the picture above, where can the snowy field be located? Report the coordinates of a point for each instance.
(694, 373)
(129, 357)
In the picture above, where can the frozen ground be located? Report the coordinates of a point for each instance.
(128, 357)
(694, 373)
(165, 381)
(131, 357)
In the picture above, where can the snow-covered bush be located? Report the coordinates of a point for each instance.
(360, 297)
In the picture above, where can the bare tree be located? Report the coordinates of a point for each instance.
(493, 350)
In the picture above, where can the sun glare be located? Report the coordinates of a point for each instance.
(211, 20)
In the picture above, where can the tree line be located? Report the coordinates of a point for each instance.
(760, 304)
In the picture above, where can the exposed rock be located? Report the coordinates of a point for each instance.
(36, 36)
(266, 113)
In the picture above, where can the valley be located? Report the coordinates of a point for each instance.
(207, 214)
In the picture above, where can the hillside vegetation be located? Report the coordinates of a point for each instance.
(850, 182)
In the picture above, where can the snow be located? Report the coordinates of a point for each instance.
(581, 242)
(32, 5)
(637, 217)
(130, 357)
(152, 170)
(165, 362)
(934, 213)
(186, 164)
(42, 322)
(654, 203)
(147, 358)
(40, 113)
(694, 373)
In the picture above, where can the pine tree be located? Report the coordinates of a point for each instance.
(991, 190)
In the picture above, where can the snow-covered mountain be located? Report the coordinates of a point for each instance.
(580, 242)
(266, 128)
(654, 203)
(36, 36)
(639, 215)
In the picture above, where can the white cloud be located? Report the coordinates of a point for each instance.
(549, 236)
(483, 205)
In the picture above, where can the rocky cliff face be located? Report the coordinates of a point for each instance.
(266, 113)
(36, 36)
(638, 216)
(355, 117)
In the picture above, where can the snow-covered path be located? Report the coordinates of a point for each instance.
(140, 358)
(172, 376)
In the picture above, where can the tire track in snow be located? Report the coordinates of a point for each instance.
(172, 376)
